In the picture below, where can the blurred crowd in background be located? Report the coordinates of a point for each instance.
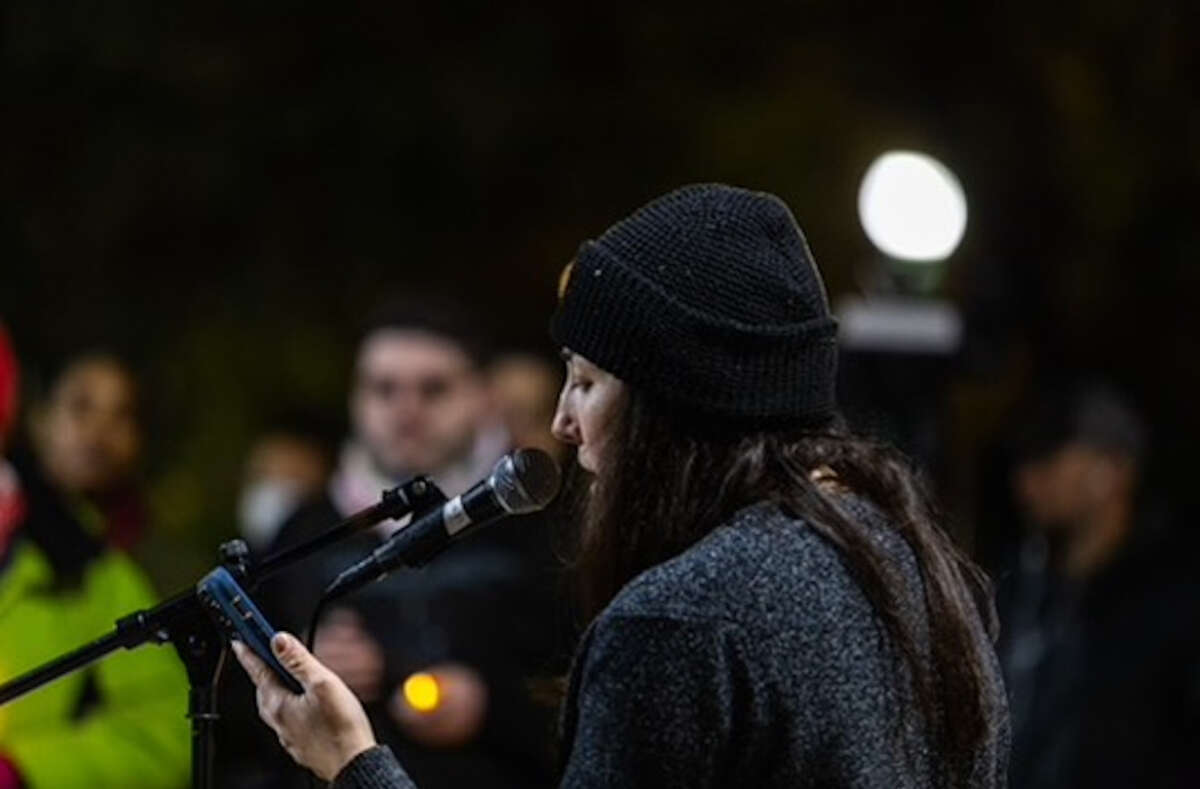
(482, 626)
(256, 267)
(1096, 588)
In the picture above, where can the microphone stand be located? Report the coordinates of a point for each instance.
(182, 621)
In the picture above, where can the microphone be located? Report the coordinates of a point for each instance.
(522, 482)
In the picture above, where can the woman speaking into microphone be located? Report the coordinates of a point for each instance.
(772, 600)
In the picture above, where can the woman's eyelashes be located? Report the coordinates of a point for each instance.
(575, 379)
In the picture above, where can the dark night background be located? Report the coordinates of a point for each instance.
(221, 193)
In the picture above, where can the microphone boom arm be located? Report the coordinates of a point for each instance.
(182, 621)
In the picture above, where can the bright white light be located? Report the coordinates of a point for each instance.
(912, 207)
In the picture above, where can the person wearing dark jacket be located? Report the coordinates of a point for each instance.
(480, 621)
(1101, 607)
(774, 604)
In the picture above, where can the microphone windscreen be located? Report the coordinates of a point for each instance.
(526, 481)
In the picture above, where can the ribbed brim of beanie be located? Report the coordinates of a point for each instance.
(708, 299)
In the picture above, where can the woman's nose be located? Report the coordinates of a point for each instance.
(564, 427)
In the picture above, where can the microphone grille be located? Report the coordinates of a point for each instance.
(525, 481)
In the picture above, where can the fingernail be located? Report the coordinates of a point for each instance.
(279, 643)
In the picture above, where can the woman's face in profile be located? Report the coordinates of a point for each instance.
(588, 409)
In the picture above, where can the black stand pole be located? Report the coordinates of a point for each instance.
(202, 650)
(183, 622)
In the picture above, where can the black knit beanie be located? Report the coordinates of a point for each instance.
(709, 300)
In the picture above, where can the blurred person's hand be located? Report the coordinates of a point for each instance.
(445, 708)
(344, 645)
(324, 728)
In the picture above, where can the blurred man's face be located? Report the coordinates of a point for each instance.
(524, 393)
(88, 433)
(1064, 489)
(418, 401)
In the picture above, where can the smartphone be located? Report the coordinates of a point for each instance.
(240, 620)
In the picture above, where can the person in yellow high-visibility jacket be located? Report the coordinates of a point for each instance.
(120, 722)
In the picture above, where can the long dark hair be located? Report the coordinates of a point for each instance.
(671, 480)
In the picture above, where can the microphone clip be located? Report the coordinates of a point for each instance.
(416, 496)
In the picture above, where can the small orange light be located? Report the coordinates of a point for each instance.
(422, 692)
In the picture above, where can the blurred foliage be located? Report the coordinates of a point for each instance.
(221, 191)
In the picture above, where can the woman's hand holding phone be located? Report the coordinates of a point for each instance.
(324, 728)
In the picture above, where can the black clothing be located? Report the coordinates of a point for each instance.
(1104, 675)
(52, 526)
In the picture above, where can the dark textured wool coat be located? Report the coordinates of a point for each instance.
(752, 659)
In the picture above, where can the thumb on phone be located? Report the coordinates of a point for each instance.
(257, 670)
(299, 662)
